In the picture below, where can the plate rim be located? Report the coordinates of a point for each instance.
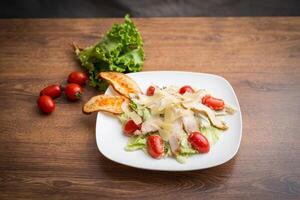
(174, 170)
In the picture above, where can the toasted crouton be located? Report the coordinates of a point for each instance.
(108, 103)
(122, 83)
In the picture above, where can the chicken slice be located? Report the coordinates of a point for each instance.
(207, 111)
(189, 122)
(174, 139)
(151, 125)
(137, 132)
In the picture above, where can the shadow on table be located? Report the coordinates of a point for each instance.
(203, 180)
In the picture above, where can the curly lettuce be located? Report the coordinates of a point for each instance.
(185, 149)
(141, 111)
(211, 133)
(136, 142)
(120, 50)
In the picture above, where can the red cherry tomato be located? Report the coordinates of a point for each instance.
(155, 146)
(46, 104)
(77, 77)
(52, 91)
(130, 127)
(199, 142)
(150, 91)
(213, 103)
(73, 91)
(185, 89)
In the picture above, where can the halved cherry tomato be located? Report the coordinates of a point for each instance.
(185, 89)
(150, 91)
(46, 104)
(130, 127)
(213, 103)
(77, 77)
(52, 91)
(199, 142)
(155, 146)
(73, 91)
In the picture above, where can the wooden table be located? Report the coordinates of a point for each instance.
(56, 157)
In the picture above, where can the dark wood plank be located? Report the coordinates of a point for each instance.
(154, 8)
(55, 157)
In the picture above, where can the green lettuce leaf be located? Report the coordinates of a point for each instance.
(136, 142)
(120, 50)
(123, 118)
(181, 158)
(211, 133)
(141, 111)
(185, 149)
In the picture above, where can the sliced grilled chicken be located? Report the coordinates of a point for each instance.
(174, 139)
(151, 125)
(122, 83)
(207, 111)
(137, 132)
(108, 103)
(189, 122)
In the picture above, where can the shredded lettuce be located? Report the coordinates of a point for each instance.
(123, 118)
(185, 148)
(120, 50)
(141, 111)
(211, 133)
(133, 105)
(167, 149)
(181, 158)
(136, 142)
(146, 114)
(204, 121)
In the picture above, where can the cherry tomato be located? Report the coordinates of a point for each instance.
(185, 89)
(155, 146)
(52, 91)
(213, 103)
(130, 127)
(150, 91)
(199, 142)
(77, 77)
(46, 104)
(73, 91)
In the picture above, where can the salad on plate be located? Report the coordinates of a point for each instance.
(167, 121)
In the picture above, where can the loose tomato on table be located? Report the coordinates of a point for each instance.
(53, 91)
(130, 127)
(73, 91)
(77, 77)
(185, 89)
(155, 146)
(150, 91)
(46, 104)
(199, 142)
(213, 103)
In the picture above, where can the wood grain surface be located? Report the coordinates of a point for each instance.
(56, 157)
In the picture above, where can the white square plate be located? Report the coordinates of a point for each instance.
(111, 140)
